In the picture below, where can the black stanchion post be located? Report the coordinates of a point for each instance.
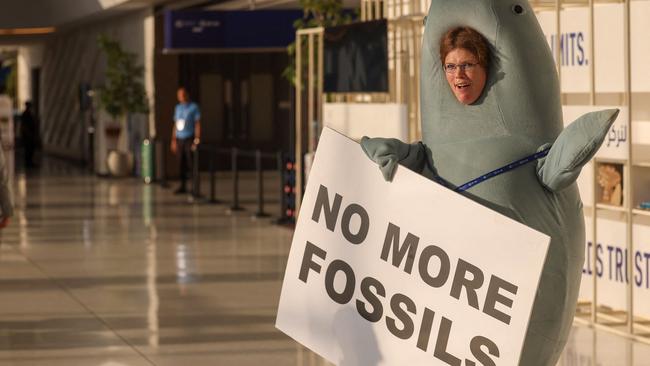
(213, 181)
(235, 181)
(285, 168)
(163, 163)
(196, 176)
(282, 193)
(260, 185)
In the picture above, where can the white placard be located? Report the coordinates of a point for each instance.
(344, 262)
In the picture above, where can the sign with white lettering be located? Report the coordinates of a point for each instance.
(404, 272)
(202, 30)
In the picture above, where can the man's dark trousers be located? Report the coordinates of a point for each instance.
(185, 153)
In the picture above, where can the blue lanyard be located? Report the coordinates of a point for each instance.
(503, 169)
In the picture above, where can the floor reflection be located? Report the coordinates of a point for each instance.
(592, 347)
(111, 272)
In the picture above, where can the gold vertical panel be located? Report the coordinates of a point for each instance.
(319, 79)
(628, 171)
(592, 52)
(384, 9)
(310, 94)
(398, 64)
(594, 215)
(558, 54)
(418, 59)
(391, 61)
(298, 151)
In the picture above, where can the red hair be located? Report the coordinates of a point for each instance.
(469, 39)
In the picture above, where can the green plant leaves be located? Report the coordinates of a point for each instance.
(124, 92)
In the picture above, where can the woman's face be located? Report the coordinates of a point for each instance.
(466, 77)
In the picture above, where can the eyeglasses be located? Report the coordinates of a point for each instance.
(451, 68)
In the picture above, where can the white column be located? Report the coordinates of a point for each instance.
(29, 57)
(149, 85)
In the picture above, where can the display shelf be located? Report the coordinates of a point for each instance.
(641, 164)
(614, 320)
(641, 212)
(640, 176)
(611, 161)
(611, 184)
(620, 331)
(641, 151)
(606, 207)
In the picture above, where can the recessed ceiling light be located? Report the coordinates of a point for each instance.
(26, 31)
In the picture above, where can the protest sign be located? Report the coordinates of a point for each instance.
(404, 272)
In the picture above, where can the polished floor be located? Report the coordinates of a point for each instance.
(112, 272)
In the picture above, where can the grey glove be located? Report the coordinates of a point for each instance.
(387, 153)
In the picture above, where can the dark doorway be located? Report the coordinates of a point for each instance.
(243, 97)
(36, 89)
(36, 104)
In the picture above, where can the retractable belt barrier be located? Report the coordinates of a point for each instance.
(162, 153)
(236, 154)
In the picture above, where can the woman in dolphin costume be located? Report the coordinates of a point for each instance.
(518, 114)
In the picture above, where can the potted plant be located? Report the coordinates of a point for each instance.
(122, 96)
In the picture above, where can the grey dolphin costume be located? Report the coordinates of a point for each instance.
(518, 114)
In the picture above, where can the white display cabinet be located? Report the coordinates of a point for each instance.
(621, 259)
(605, 65)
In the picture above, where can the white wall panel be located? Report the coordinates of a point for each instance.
(370, 119)
(609, 46)
(640, 47)
(610, 266)
(574, 46)
(73, 57)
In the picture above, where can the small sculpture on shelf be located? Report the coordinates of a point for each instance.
(610, 179)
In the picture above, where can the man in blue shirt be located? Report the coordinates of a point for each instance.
(187, 133)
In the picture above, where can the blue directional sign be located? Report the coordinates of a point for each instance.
(258, 29)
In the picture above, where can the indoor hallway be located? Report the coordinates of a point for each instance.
(97, 271)
(112, 272)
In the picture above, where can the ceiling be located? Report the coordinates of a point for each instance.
(17, 15)
(51, 13)
(28, 15)
(60, 13)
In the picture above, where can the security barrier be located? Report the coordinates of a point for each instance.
(212, 152)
